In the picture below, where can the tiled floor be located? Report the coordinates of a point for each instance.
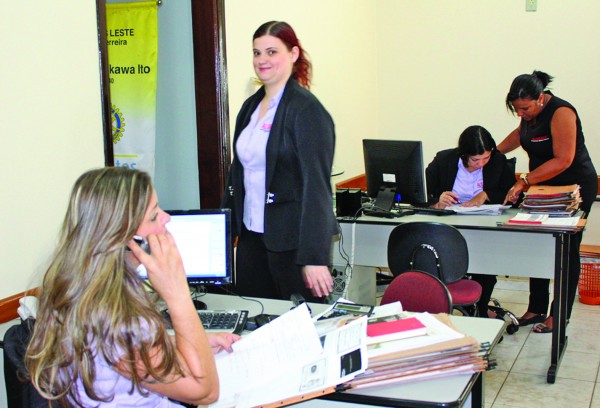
(524, 357)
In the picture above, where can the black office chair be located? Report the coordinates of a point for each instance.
(20, 392)
(438, 249)
(418, 291)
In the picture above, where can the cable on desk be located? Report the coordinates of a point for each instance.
(341, 249)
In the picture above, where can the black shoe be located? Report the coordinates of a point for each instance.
(532, 320)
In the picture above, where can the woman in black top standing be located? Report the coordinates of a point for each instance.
(550, 132)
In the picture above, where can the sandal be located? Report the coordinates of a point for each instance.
(542, 328)
(532, 320)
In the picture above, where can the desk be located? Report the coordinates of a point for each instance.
(528, 252)
(454, 391)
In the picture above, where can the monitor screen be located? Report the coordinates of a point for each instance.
(203, 238)
(394, 172)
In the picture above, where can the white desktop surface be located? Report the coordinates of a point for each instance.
(448, 390)
(493, 250)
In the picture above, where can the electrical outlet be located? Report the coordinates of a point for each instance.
(530, 5)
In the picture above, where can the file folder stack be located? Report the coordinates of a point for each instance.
(555, 201)
(443, 352)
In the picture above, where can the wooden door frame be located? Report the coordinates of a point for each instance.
(210, 75)
(212, 113)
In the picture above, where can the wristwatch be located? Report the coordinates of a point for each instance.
(524, 178)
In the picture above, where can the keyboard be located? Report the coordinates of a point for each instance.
(231, 321)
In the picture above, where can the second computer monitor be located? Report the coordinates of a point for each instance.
(394, 172)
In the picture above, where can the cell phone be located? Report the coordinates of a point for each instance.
(143, 243)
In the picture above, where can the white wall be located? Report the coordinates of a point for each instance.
(51, 126)
(427, 69)
(339, 36)
(393, 69)
(448, 64)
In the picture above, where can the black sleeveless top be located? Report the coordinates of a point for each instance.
(536, 140)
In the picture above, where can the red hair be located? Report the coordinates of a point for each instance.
(302, 71)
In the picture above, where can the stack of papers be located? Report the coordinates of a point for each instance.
(528, 219)
(555, 201)
(442, 351)
(286, 361)
(525, 219)
(485, 209)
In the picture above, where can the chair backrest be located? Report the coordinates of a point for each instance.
(419, 291)
(437, 248)
(511, 165)
(20, 392)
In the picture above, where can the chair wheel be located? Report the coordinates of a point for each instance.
(512, 329)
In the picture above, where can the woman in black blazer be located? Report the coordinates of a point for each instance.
(472, 174)
(279, 181)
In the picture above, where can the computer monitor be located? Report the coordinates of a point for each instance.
(203, 238)
(394, 172)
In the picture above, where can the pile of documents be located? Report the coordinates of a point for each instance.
(484, 209)
(295, 357)
(287, 361)
(554, 201)
(550, 207)
(440, 351)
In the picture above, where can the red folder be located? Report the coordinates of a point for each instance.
(380, 331)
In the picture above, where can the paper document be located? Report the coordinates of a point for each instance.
(485, 209)
(562, 221)
(437, 332)
(525, 218)
(544, 220)
(286, 358)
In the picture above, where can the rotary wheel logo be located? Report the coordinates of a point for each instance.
(118, 124)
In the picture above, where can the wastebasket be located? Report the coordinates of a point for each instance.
(589, 279)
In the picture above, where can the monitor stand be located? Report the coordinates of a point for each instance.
(386, 196)
(199, 305)
(196, 291)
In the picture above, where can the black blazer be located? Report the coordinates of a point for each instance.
(498, 175)
(299, 205)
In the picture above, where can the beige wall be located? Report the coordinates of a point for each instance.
(426, 69)
(448, 64)
(340, 38)
(408, 69)
(51, 128)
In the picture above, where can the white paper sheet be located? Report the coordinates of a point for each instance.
(286, 358)
(485, 209)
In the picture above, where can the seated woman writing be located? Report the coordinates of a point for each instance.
(99, 339)
(472, 174)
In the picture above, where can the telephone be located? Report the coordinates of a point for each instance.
(143, 243)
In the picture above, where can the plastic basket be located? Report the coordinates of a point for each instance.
(589, 281)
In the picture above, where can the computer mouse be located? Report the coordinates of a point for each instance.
(263, 319)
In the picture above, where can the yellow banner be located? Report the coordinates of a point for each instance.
(132, 36)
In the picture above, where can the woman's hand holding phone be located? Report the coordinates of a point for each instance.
(164, 265)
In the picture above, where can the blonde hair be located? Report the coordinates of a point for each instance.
(92, 302)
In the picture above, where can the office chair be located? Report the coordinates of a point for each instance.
(20, 392)
(418, 291)
(438, 249)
